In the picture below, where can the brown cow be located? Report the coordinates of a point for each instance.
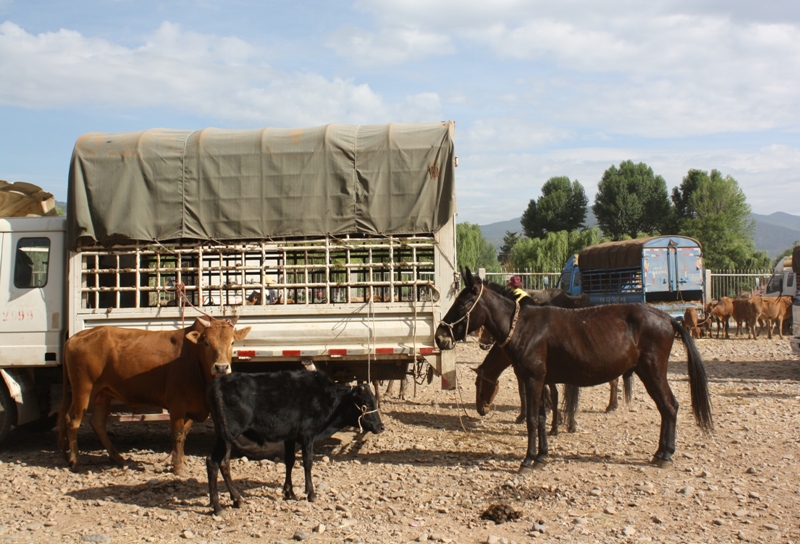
(690, 322)
(138, 367)
(753, 308)
(722, 310)
(742, 311)
(774, 310)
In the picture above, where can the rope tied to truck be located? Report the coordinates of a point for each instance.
(180, 292)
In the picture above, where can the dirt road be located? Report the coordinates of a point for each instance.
(439, 466)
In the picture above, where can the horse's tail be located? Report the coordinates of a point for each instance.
(570, 404)
(627, 381)
(698, 380)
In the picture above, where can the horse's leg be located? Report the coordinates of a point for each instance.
(533, 395)
(553, 406)
(572, 395)
(654, 377)
(523, 405)
(613, 403)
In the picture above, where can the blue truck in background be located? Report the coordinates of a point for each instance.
(662, 271)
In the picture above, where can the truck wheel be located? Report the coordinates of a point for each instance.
(8, 411)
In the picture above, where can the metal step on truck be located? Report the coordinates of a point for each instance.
(336, 244)
(662, 271)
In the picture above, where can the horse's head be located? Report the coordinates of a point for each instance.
(485, 391)
(464, 316)
(485, 338)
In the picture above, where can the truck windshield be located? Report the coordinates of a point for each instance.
(775, 285)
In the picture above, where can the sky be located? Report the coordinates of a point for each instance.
(537, 89)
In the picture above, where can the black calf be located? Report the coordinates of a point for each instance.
(292, 406)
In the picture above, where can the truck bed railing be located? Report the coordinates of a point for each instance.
(327, 270)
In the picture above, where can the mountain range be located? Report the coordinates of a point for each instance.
(775, 233)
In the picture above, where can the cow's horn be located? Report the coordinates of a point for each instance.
(203, 322)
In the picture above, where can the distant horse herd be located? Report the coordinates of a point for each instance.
(547, 338)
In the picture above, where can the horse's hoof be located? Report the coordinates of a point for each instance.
(662, 463)
(526, 469)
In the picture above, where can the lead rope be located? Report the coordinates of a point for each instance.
(364, 412)
(513, 325)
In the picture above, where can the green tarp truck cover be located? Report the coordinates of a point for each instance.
(215, 185)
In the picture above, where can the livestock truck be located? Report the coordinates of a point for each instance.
(336, 244)
(662, 271)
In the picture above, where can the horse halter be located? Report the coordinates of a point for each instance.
(462, 318)
(482, 378)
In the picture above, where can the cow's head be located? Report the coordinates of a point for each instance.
(367, 407)
(215, 344)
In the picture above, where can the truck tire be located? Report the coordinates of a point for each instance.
(8, 411)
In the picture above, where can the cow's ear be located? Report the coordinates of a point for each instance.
(193, 337)
(239, 334)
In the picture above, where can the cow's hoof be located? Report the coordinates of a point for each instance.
(525, 469)
(520, 419)
(611, 408)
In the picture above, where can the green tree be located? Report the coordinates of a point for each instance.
(509, 241)
(631, 200)
(785, 254)
(548, 254)
(713, 209)
(562, 206)
(473, 249)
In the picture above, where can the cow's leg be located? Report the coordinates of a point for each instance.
(180, 428)
(308, 458)
(288, 458)
(225, 468)
(613, 402)
(101, 408)
(73, 417)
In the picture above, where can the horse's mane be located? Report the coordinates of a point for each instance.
(507, 292)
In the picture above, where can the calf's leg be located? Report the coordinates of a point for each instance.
(308, 458)
(72, 420)
(220, 461)
(288, 458)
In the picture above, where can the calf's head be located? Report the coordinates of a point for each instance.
(215, 344)
(368, 418)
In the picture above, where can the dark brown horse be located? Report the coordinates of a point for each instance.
(497, 361)
(581, 347)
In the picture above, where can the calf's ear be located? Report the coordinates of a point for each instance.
(193, 337)
(239, 334)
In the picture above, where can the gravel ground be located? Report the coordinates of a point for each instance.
(438, 467)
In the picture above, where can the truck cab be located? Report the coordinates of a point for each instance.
(783, 281)
(32, 312)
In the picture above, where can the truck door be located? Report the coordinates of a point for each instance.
(688, 271)
(32, 286)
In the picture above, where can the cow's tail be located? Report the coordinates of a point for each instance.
(66, 402)
(698, 380)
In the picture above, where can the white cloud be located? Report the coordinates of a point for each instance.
(393, 45)
(217, 77)
(666, 69)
